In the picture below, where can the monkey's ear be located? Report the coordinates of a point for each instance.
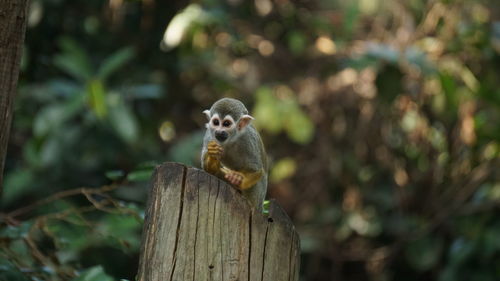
(244, 121)
(207, 113)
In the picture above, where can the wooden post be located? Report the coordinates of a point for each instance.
(198, 227)
(13, 15)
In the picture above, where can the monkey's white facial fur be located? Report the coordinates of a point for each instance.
(217, 123)
(226, 129)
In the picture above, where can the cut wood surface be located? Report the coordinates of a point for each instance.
(198, 227)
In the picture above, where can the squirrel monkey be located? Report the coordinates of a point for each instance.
(233, 150)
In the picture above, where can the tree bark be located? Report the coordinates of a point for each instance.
(198, 227)
(13, 14)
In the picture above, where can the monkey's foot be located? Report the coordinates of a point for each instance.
(214, 149)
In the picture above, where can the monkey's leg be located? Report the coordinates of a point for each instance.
(243, 180)
(211, 159)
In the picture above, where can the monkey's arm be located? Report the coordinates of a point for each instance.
(242, 179)
(211, 159)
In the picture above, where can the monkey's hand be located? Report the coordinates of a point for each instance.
(212, 158)
(242, 180)
(235, 178)
(214, 150)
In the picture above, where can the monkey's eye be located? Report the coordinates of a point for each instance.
(215, 122)
(226, 123)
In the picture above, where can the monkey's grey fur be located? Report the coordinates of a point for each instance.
(243, 150)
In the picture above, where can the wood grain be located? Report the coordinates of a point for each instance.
(13, 14)
(198, 227)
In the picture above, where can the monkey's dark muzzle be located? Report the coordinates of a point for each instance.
(221, 135)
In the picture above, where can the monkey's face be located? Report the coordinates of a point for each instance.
(224, 128)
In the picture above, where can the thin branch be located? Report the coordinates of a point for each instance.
(57, 196)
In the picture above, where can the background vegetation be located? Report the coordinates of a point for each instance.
(381, 119)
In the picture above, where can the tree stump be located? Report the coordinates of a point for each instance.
(198, 227)
(13, 15)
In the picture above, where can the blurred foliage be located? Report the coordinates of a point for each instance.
(380, 119)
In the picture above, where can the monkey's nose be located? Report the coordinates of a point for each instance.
(221, 135)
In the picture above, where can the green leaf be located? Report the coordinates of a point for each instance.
(283, 169)
(95, 273)
(51, 150)
(62, 88)
(73, 60)
(450, 90)
(299, 127)
(274, 115)
(265, 112)
(16, 232)
(297, 42)
(115, 62)
(121, 231)
(140, 175)
(122, 119)
(9, 271)
(70, 234)
(96, 97)
(146, 91)
(53, 116)
(265, 207)
(352, 14)
(17, 183)
(114, 174)
(147, 165)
